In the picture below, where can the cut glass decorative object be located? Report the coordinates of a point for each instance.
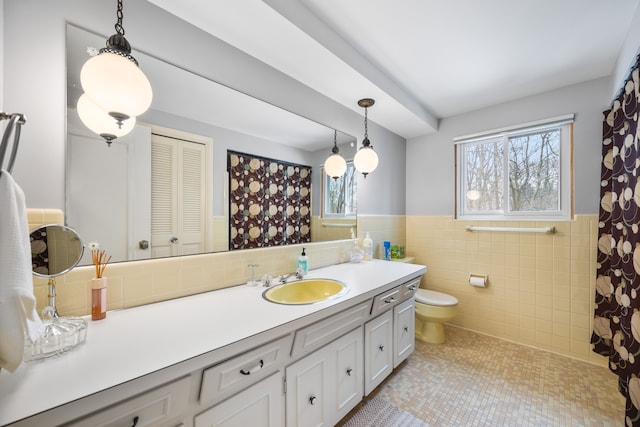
(61, 334)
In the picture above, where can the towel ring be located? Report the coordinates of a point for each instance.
(15, 120)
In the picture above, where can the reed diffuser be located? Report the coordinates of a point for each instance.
(100, 260)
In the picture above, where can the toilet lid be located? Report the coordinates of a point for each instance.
(426, 296)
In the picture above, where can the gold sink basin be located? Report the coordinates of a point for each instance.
(307, 291)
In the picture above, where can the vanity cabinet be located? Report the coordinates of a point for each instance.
(324, 386)
(224, 379)
(301, 367)
(378, 350)
(155, 407)
(261, 405)
(389, 337)
(404, 326)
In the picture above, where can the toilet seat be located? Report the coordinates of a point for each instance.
(426, 296)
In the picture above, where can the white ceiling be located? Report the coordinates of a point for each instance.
(422, 60)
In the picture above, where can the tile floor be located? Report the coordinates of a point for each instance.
(477, 380)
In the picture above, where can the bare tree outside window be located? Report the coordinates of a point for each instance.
(534, 171)
(341, 194)
(516, 174)
(484, 177)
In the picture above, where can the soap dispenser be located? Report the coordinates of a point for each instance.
(303, 262)
(367, 245)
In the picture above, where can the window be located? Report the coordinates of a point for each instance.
(516, 173)
(340, 195)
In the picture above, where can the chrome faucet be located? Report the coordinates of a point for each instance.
(299, 273)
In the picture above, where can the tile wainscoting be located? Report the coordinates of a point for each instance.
(136, 283)
(541, 286)
(540, 290)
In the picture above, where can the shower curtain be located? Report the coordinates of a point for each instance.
(269, 202)
(616, 325)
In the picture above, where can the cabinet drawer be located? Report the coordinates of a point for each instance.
(259, 405)
(386, 300)
(409, 289)
(241, 371)
(325, 331)
(149, 409)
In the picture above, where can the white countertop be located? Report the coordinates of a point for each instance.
(134, 342)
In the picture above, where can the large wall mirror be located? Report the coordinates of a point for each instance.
(108, 189)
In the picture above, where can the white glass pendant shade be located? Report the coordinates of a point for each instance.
(99, 121)
(116, 84)
(365, 160)
(335, 166)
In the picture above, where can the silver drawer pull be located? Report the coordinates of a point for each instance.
(412, 287)
(255, 368)
(389, 300)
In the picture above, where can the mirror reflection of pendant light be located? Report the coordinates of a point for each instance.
(366, 159)
(113, 81)
(335, 166)
(100, 122)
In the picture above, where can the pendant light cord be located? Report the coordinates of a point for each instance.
(366, 136)
(119, 28)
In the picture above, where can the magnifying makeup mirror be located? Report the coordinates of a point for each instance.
(55, 250)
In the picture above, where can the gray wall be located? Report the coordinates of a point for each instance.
(34, 84)
(430, 159)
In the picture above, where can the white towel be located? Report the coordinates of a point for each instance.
(18, 316)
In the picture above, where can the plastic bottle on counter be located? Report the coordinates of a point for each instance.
(367, 245)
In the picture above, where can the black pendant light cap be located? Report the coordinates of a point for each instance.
(108, 138)
(118, 44)
(366, 143)
(366, 102)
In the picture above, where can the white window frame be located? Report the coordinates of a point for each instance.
(565, 210)
(326, 177)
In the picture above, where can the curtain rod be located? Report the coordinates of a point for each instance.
(549, 230)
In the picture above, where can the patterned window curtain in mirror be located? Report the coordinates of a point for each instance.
(269, 202)
(616, 325)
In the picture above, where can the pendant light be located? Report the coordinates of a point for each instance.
(366, 159)
(335, 166)
(113, 80)
(100, 122)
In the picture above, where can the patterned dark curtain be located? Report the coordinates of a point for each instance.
(616, 326)
(269, 202)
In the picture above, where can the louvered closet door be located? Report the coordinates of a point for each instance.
(177, 197)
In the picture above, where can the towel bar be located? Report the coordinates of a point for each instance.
(549, 230)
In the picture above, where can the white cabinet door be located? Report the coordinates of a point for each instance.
(324, 386)
(261, 405)
(378, 353)
(307, 390)
(404, 331)
(348, 375)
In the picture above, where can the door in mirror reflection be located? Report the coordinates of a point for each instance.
(109, 192)
(178, 182)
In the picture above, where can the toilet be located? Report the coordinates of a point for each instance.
(433, 309)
